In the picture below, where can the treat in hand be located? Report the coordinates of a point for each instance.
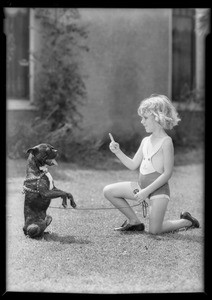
(111, 137)
(114, 147)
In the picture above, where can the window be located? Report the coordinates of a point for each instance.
(17, 53)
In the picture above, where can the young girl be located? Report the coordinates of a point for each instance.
(155, 157)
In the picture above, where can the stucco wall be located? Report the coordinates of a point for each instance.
(128, 60)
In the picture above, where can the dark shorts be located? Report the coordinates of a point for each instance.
(147, 179)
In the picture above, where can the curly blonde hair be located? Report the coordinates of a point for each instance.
(162, 108)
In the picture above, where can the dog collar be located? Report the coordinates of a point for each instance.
(26, 189)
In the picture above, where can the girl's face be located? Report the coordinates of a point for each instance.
(148, 121)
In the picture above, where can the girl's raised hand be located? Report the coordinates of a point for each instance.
(114, 147)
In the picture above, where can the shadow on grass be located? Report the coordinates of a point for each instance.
(67, 239)
(177, 236)
(163, 237)
(186, 237)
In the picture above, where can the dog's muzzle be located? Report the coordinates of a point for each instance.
(51, 162)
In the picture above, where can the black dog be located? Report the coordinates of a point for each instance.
(39, 189)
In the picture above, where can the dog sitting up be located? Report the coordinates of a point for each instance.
(39, 189)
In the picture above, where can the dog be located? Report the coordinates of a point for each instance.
(39, 190)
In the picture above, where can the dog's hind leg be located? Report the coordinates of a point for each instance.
(37, 229)
(33, 231)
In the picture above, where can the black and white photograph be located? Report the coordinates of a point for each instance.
(105, 133)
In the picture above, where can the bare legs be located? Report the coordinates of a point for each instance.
(117, 193)
(156, 218)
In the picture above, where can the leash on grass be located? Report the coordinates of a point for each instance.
(144, 207)
(144, 203)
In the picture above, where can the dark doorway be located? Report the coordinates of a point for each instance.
(183, 59)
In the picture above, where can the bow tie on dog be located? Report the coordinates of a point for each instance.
(44, 169)
(39, 190)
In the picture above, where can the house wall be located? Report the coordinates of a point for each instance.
(129, 59)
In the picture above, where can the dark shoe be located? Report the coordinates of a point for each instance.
(119, 228)
(129, 227)
(186, 215)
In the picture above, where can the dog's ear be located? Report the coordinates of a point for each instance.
(33, 150)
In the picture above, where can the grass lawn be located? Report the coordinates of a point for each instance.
(83, 254)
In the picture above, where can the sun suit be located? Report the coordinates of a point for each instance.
(148, 174)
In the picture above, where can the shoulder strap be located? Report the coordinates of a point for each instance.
(158, 146)
(146, 141)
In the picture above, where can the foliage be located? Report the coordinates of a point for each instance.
(60, 88)
(191, 98)
(70, 147)
(190, 131)
(203, 21)
(25, 136)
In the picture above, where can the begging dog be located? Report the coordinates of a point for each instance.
(39, 189)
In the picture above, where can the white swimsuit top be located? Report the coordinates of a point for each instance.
(146, 166)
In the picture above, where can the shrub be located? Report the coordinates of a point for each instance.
(190, 131)
(59, 85)
(70, 147)
(60, 89)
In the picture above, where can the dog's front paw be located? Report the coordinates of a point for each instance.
(64, 203)
(71, 198)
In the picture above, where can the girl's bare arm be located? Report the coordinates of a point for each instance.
(130, 163)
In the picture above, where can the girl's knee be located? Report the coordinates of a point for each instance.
(107, 191)
(154, 230)
(119, 190)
